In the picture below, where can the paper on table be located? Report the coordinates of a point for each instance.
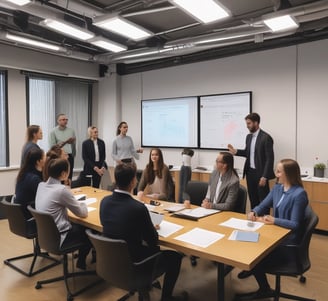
(150, 207)
(89, 201)
(200, 237)
(79, 197)
(156, 218)
(250, 236)
(168, 228)
(197, 212)
(175, 208)
(91, 209)
(242, 224)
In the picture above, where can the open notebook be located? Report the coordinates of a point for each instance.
(195, 214)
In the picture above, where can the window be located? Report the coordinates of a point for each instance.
(51, 96)
(4, 153)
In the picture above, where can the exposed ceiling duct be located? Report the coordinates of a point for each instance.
(184, 39)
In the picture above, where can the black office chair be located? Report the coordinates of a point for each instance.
(299, 263)
(195, 192)
(49, 239)
(24, 228)
(241, 200)
(115, 265)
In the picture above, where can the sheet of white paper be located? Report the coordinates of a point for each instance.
(89, 201)
(242, 224)
(156, 218)
(150, 207)
(200, 237)
(199, 212)
(91, 209)
(175, 208)
(168, 228)
(80, 196)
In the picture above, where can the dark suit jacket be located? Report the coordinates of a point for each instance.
(88, 155)
(228, 194)
(264, 156)
(125, 218)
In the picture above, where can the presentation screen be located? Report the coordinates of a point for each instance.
(222, 120)
(170, 122)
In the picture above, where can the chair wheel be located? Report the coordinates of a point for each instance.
(38, 285)
(193, 260)
(70, 298)
(302, 279)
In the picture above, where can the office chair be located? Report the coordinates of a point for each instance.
(49, 239)
(115, 265)
(20, 226)
(196, 192)
(241, 200)
(298, 265)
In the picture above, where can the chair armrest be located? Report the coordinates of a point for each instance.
(147, 259)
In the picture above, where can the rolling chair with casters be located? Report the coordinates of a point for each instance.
(49, 239)
(195, 191)
(24, 228)
(115, 265)
(299, 264)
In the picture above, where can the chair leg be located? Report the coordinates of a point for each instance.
(67, 275)
(36, 253)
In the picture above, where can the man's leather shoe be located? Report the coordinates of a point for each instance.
(244, 274)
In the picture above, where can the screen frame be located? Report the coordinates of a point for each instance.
(196, 98)
(250, 100)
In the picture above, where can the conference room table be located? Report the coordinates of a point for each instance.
(241, 254)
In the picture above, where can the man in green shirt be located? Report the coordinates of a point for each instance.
(64, 137)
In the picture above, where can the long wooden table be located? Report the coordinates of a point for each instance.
(244, 255)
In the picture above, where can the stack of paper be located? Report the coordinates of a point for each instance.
(196, 213)
(244, 236)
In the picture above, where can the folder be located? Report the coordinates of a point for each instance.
(249, 236)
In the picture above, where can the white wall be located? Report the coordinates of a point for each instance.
(15, 59)
(289, 88)
(270, 75)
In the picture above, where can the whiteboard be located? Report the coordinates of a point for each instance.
(222, 120)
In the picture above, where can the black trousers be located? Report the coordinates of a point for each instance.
(71, 163)
(256, 193)
(185, 176)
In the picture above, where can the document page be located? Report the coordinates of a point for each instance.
(175, 208)
(242, 224)
(89, 201)
(167, 228)
(250, 236)
(156, 218)
(197, 212)
(200, 237)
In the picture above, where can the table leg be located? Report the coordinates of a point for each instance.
(220, 288)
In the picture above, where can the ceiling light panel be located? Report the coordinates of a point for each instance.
(108, 45)
(205, 11)
(68, 29)
(31, 42)
(281, 23)
(122, 27)
(19, 2)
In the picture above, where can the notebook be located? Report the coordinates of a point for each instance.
(249, 236)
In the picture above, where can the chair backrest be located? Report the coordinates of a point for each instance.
(48, 234)
(310, 222)
(16, 219)
(114, 264)
(241, 200)
(196, 192)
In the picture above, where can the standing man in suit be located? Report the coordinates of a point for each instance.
(94, 156)
(222, 192)
(64, 137)
(258, 167)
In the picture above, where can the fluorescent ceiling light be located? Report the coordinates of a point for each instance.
(19, 2)
(108, 45)
(68, 29)
(205, 10)
(281, 23)
(32, 42)
(123, 27)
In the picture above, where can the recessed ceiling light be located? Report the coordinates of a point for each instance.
(108, 45)
(122, 26)
(19, 2)
(205, 10)
(32, 42)
(68, 29)
(281, 23)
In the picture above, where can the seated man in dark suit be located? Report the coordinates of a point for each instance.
(125, 218)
